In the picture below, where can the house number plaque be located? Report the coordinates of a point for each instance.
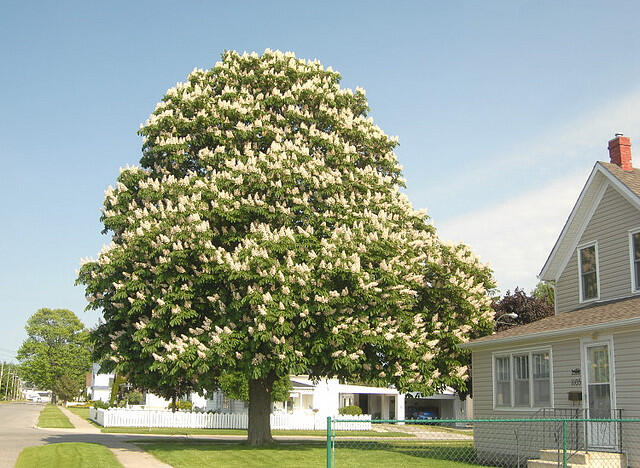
(576, 379)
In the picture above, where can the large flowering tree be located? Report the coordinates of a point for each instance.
(265, 233)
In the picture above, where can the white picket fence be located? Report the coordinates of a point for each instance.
(126, 417)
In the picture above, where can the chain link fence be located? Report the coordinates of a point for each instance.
(532, 443)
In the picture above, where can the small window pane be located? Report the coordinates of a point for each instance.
(636, 246)
(636, 259)
(598, 364)
(541, 380)
(521, 387)
(588, 260)
(588, 272)
(503, 382)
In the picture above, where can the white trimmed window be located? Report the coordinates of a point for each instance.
(588, 269)
(503, 381)
(522, 379)
(634, 245)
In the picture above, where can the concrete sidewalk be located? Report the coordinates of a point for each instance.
(128, 454)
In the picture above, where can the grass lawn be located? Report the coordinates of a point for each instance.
(437, 428)
(243, 432)
(67, 455)
(82, 412)
(51, 416)
(293, 455)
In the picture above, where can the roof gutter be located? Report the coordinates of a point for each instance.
(551, 334)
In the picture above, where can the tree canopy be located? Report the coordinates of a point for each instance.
(56, 347)
(265, 233)
(545, 290)
(528, 308)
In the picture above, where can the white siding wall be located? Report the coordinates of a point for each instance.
(610, 225)
(566, 356)
(494, 438)
(626, 354)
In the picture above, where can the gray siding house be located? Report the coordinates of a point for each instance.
(583, 362)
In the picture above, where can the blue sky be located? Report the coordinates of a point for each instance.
(501, 109)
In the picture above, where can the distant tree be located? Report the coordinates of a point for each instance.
(545, 290)
(528, 308)
(56, 347)
(67, 388)
(118, 380)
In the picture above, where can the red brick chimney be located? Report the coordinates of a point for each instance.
(620, 151)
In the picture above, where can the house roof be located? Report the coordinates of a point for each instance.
(298, 384)
(602, 176)
(596, 316)
(629, 178)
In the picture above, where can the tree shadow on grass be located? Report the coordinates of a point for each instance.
(238, 454)
(426, 453)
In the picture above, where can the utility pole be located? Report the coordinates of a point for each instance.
(1, 372)
(15, 388)
(6, 392)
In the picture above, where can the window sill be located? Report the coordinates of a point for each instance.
(519, 408)
(587, 301)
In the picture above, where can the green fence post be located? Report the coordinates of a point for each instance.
(564, 443)
(329, 454)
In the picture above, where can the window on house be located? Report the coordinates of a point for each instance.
(503, 382)
(588, 273)
(521, 382)
(541, 379)
(526, 376)
(635, 258)
(226, 403)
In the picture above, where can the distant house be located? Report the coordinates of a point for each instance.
(326, 397)
(323, 398)
(99, 385)
(582, 361)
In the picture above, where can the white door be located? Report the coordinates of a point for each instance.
(599, 393)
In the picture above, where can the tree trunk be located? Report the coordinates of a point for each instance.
(260, 411)
(174, 404)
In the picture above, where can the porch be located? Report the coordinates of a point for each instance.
(586, 437)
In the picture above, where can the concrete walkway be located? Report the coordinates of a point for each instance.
(128, 454)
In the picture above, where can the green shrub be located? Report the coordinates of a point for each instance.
(98, 404)
(352, 410)
(135, 397)
(182, 405)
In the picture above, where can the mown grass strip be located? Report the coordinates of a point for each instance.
(294, 455)
(68, 455)
(82, 412)
(51, 416)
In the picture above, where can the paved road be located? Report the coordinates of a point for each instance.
(17, 431)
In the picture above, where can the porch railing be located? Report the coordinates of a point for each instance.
(577, 434)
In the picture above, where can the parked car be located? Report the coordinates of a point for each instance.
(424, 415)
